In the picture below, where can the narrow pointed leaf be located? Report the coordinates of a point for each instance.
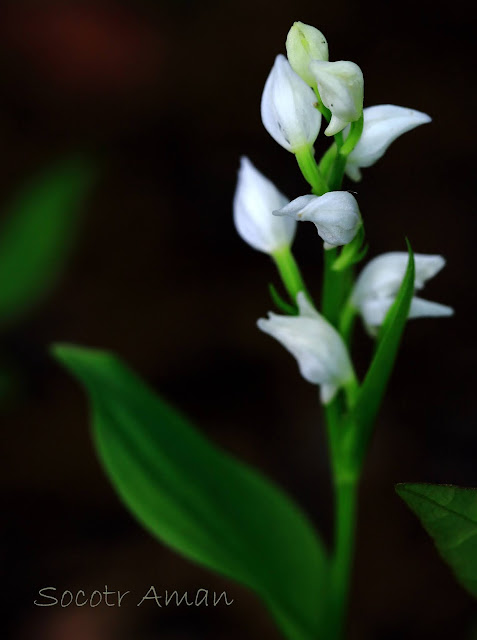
(449, 515)
(37, 234)
(199, 500)
(375, 383)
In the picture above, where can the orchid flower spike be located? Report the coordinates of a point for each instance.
(341, 88)
(255, 199)
(288, 108)
(383, 123)
(335, 215)
(318, 348)
(304, 44)
(378, 284)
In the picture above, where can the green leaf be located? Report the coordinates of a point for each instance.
(372, 390)
(37, 235)
(198, 499)
(449, 515)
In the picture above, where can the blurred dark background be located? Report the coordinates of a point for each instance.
(164, 95)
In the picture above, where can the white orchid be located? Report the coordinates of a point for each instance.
(304, 44)
(335, 215)
(341, 88)
(255, 199)
(383, 123)
(378, 284)
(318, 348)
(288, 108)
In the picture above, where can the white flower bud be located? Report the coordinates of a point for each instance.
(255, 199)
(318, 348)
(304, 44)
(378, 284)
(288, 108)
(383, 123)
(335, 215)
(341, 87)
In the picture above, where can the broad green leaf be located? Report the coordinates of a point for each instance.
(449, 515)
(37, 234)
(198, 499)
(375, 383)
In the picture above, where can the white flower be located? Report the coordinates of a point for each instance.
(335, 215)
(341, 88)
(254, 201)
(304, 44)
(383, 123)
(378, 284)
(321, 353)
(288, 108)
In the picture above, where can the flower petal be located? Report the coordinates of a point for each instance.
(341, 88)
(288, 107)
(320, 352)
(304, 44)
(255, 199)
(335, 215)
(382, 125)
(426, 309)
(378, 284)
(383, 275)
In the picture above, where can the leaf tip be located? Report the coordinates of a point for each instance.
(73, 356)
(401, 489)
(64, 351)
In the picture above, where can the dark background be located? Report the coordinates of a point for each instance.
(165, 97)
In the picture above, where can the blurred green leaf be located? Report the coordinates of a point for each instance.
(199, 500)
(449, 515)
(37, 235)
(374, 385)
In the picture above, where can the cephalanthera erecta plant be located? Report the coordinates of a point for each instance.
(198, 499)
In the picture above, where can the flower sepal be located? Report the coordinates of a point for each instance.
(288, 108)
(320, 352)
(304, 44)
(379, 282)
(341, 89)
(335, 215)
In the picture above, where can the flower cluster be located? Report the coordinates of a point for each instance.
(299, 92)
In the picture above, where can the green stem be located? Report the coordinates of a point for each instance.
(289, 272)
(351, 389)
(336, 176)
(307, 163)
(332, 287)
(352, 140)
(327, 161)
(346, 490)
(346, 322)
(319, 104)
(345, 486)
